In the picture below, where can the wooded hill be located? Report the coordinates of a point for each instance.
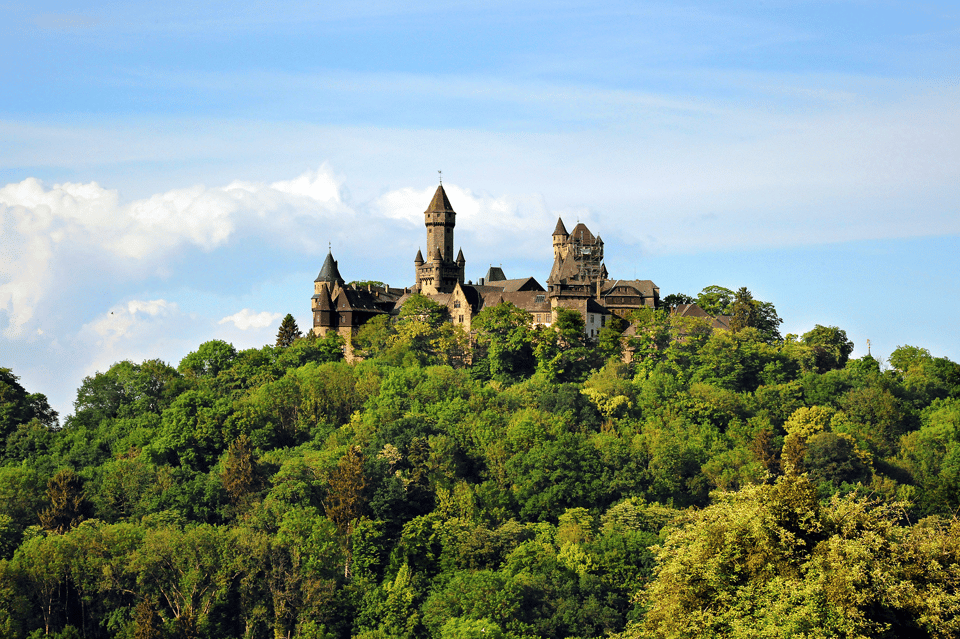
(527, 484)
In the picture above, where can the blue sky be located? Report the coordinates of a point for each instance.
(172, 173)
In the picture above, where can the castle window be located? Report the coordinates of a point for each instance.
(461, 319)
(540, 299)
(456, 304)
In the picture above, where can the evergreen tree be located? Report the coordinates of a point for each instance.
(289, 331)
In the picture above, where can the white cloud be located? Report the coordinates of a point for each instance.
(152, 307)
(119, 321)
(482, 219)
(44, 229)
(247, 319)
(319, 186)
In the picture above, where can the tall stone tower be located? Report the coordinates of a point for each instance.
(440, 272)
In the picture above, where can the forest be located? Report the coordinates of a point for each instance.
(521, 482)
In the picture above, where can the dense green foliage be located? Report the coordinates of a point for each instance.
(525, 483)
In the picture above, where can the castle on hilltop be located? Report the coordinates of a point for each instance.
(577, 281)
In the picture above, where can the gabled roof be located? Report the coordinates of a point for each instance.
(522, 284)
(323, 299)
(646, 288)
(561, 229)
(689, 310)
(564, 271)
(439, 203)
(351, 299)
(329, 271)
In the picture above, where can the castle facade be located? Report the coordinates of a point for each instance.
(577, 281)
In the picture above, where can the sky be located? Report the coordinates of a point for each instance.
(172, 173)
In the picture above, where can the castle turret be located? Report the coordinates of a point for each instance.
(440, 218)
(325, 288)
(560, 237)
(441, 273)
(329, 272)
(461, 264)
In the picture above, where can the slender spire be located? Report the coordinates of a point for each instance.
(419, 258)
(561, 229)
(439, 203)
(460, 259)
(329, 271)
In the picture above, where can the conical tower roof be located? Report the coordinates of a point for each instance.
(460, 258)
(561, 229)
(419, 258)
(329, 271)
(440, 203)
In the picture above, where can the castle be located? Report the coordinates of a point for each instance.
(577, 281)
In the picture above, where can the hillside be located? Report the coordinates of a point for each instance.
(526, 484)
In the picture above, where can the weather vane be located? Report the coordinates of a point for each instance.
(440, 173)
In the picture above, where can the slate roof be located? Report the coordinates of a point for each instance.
(329, 271)
(460, 258)
(419, 258)
(323, 300)
(494, 274)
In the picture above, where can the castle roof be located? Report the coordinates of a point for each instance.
(460, 258)
(439, 203)
(522, 284)
(646, 288)
(323, 300)
(561, 229)
(351, 299)
(329, 271)
(582, 234)
(419, 258)
(494, 274)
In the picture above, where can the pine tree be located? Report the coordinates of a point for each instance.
(289, 331)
